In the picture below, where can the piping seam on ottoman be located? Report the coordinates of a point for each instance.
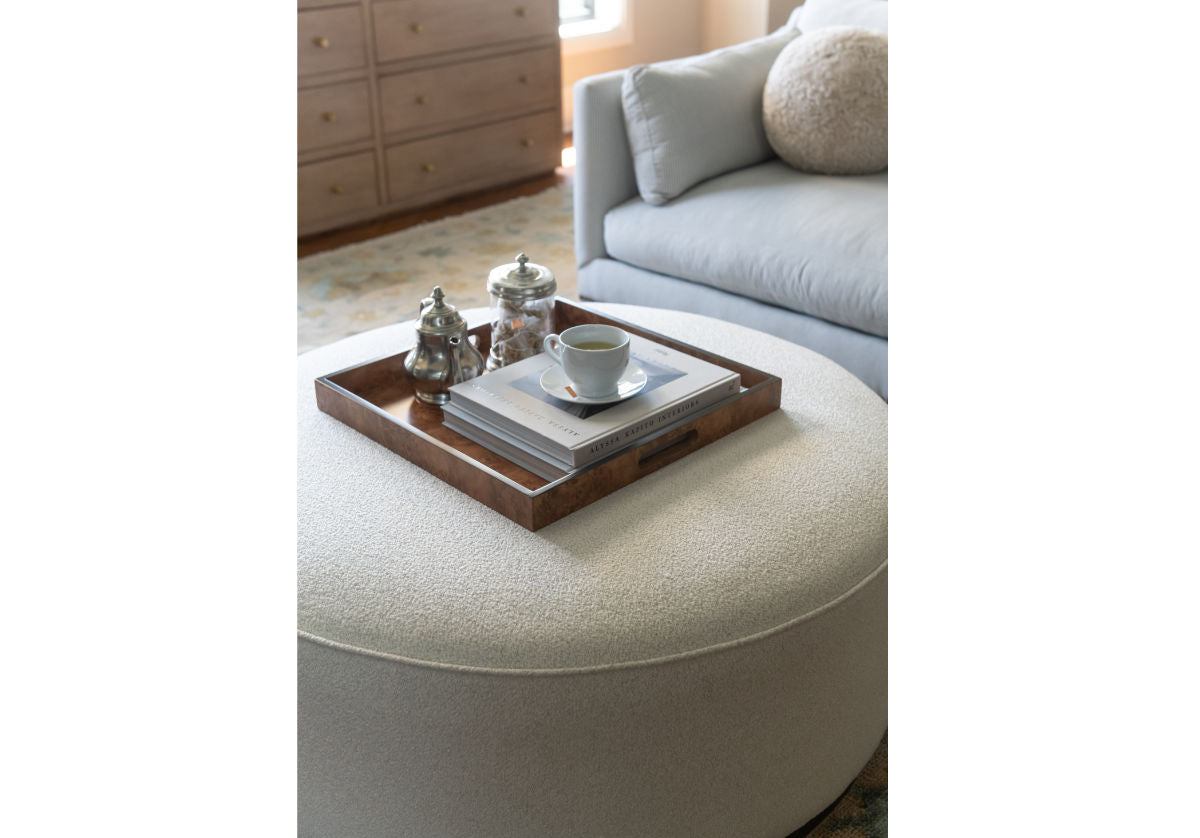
(606, 667)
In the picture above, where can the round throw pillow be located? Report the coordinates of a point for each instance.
(825, 102)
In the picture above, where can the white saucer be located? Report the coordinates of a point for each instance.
(555, 382)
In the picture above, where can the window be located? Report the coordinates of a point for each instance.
(585, 25)
(576, 11)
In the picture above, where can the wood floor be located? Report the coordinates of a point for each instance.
(318, 242)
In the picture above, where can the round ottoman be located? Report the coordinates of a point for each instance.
(702, 653)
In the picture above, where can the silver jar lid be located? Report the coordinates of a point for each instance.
(522, 280)
(438, 317)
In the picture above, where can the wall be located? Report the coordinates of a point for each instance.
(665, 29)
(727, 22)
(662, 29)
(778, 11)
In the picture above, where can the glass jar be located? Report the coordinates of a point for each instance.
(522, 310)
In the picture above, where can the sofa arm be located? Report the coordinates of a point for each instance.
(604, 174)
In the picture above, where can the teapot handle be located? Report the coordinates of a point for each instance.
(455, 372)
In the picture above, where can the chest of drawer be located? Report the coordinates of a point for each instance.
(495, 86)
(331, 39)
(335, 187)
(337, 113)
(410, 28)
(476, 157)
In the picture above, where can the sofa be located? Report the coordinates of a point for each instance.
(681, 203)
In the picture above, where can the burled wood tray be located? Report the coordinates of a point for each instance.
(376, 399)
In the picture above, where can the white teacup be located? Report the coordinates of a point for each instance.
(593, 356)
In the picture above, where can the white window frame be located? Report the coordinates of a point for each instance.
(612, 27)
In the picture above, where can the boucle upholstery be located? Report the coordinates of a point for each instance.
(701, 653)
(825, 103)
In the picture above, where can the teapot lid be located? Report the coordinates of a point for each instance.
(522, 280)
(439, 317)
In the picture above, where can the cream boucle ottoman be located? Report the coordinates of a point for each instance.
(702, 653)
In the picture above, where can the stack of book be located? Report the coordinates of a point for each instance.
(509, 413)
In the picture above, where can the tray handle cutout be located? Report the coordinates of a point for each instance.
(665, 451)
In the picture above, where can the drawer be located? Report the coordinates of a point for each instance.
(408, 28)
(338, 113)
(335, 187)
(494, 86)
(331, 39)
(475, 158)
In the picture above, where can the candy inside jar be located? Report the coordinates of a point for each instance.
(522, 310)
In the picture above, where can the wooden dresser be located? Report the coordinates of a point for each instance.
(407, 102)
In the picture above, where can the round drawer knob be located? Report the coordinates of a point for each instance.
(337, 189)
(329, 116)
(428, 167)
(527, 142)
(523, 79)
(421, 100)
(323, 43)
(519, 11)
(417, 28)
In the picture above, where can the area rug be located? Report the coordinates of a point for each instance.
(862, 811)
(383, 280)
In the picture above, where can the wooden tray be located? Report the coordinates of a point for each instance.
(376, 398)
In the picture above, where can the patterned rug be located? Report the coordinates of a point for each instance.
(859, 813)
(383, 280)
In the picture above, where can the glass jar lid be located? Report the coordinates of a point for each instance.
(438, 317)
(522, 280)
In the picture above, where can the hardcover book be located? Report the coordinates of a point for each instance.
(508, 447)
(509, 405)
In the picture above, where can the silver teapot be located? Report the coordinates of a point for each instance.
(443, 355)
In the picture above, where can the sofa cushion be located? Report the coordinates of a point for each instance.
(814, 14)
(825, 103)
(816, 244)
(695, 118)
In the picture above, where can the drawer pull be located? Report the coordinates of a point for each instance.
(421, 100)
(329, 116)
(527, 142)
(418, 28)
(323, 43)
(336, 189)
(523, 79)
(519, 11)
(428, 167)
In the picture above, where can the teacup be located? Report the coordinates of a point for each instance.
(593, 356)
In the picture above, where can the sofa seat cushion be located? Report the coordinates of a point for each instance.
(816, 244)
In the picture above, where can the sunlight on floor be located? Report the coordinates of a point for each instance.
(568, 157)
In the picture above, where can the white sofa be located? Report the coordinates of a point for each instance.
(685, 206)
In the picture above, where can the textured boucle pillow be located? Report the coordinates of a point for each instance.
(825, 102)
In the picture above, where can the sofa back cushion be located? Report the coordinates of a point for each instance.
(865, 14)
(694, 118)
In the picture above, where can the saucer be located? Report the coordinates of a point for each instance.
(555, 382)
